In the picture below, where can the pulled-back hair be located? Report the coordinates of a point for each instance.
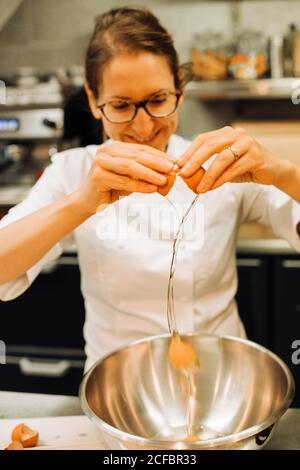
(127, 30)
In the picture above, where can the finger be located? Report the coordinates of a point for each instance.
(200, 140)
(128, 149)
(158, 153)
(210, 147)
(192, 148)
(194, 180)
(131, 168)
(124, 193)
(207, 150)
(156, 163)
(125, 183)
(224, 160)
(164, 190)
(116, 195)
(239, 172)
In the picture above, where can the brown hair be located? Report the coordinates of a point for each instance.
(127, 30)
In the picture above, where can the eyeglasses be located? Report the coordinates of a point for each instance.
(120, 111)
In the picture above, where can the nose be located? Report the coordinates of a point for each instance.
(142, 124)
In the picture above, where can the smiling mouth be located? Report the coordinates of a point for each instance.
(144, 140)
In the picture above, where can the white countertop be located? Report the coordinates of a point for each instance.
(286, 435)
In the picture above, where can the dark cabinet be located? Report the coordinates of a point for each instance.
(253, 297)
(50, 313)
(269, 304)
(43, 333)
(286, 315)
(50, 375)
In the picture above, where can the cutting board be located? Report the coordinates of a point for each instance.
(57, 433)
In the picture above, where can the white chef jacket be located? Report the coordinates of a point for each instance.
(125, 265)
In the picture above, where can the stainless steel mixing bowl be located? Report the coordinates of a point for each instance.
(140, 401)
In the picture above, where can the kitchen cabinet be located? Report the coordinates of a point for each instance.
(42, 330)
(269, 304)
(63, 377)
(254, 297)
(286, 321)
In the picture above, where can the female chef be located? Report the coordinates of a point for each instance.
(107, 200)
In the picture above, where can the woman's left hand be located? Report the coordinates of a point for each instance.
(240, 159)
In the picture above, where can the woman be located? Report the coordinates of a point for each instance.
(89, 196)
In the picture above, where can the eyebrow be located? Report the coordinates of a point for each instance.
(147, 96)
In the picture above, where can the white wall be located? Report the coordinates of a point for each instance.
(47, 34)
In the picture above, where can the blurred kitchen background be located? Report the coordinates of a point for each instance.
(246, 64)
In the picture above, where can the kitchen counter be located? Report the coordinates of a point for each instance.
(267, 246)
(286, 436)
(10, 195)
(34, 405)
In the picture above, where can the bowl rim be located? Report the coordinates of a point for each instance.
(216, 442)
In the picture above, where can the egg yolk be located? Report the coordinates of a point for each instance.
(181, 354)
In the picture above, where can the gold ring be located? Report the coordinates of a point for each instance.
(235, 153)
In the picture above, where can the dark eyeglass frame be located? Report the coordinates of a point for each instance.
(141, 104)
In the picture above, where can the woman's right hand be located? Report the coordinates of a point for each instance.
(120, 169)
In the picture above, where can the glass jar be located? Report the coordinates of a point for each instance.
(250, 59)
(210, 56)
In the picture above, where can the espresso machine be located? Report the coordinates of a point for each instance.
(28, 138)
(31, 130)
